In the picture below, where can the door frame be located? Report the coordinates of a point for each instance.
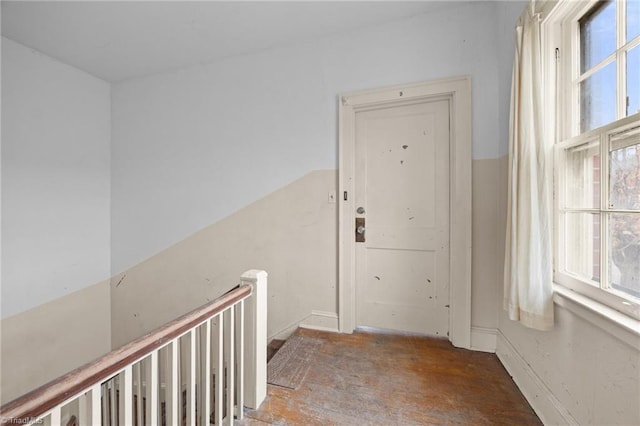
(457, 91)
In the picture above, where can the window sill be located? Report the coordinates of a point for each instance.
(615, 323)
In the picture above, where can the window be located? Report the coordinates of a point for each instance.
(597, 150)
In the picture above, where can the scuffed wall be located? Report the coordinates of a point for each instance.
(291, 233)
(194, 146)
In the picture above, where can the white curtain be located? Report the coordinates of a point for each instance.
(528, 293)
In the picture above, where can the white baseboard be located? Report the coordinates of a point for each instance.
(324, 321)
(542, 400)
(284, 333)
(317, 320)
(483, 339)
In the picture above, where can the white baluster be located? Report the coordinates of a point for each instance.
(153, 389)
(56, 416)
(105, 405)
(206, 387)
(127, 396)
(191, 410)
(240, 362)
(137, 368)
(219, 397)
(83, 409)
(174, 388)
(96, 415)
(113, 403)
(230, 355)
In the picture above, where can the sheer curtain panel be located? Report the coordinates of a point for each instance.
(528, 293)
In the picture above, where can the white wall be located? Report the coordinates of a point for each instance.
(45, 342)
(578, 373)
(55, 219)
(508, 13)
(488, 233)
(55, 179)
(581, 372)
(192, 146)
(291, 233)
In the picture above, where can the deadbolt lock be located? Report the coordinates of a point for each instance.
(360, 210)
(360, 229)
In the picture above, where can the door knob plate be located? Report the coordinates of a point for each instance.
(360, 230)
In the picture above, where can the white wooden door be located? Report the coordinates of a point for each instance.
(402, 193)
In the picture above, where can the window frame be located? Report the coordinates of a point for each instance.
(561, 85)
(570, 68)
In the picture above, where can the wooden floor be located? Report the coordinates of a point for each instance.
(383, 379)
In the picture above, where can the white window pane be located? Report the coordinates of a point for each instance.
(633, 80)
(624, 170)
(597, 34)
(633, 19)
(582, 245)
(582, 176)
(598, 98)
(624, 252)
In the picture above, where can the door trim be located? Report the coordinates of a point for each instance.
(458, 91)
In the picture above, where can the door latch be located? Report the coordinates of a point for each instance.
(360, 229)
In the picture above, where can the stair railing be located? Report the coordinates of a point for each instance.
(202, 368)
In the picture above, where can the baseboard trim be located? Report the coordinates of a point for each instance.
(483, 339)
(284, 333)
(317, 320)
(542, 400)
(323, 321)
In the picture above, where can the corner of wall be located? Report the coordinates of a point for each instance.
(52, 339)
(540, 397)
(483, 339)
(320, 320)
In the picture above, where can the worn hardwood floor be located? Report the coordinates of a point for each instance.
(385, 379)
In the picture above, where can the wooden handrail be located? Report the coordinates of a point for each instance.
(37, 402)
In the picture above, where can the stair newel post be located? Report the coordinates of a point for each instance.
(255, 356)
